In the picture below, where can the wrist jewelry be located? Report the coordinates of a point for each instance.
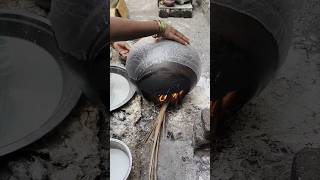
(162, 27)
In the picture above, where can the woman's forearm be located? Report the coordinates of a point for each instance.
(123, 29)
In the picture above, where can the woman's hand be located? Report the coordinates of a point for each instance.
(169, 32)
(173, 34)
(138, 29)
(122, 48)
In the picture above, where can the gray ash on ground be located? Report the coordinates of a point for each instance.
(306, 164)
(71, 151)
(28, 6)
(307, 27)
(132, 123)
(248, 153)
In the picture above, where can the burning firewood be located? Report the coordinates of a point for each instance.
(218, 108)
(159, 128)
(215, 113)
(155, 135)
(230, 99)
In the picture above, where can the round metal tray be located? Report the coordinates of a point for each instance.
(37, 90)
(121, 98)
(117, 144)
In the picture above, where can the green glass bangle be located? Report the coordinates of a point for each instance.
(163, 26)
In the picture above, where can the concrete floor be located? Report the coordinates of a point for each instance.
(284, 118)
(177, 159)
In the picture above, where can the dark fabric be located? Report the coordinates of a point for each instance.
(81, 30)
(79, 24)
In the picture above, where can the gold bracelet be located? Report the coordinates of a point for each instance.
(162, 27)
(157, 34)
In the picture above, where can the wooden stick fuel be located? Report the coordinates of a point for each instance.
(156, 131)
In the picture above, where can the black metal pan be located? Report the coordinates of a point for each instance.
(37, 88)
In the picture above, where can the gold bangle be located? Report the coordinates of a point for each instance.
(157, 34)
(162, 27)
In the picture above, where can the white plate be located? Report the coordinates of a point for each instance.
(121, 88)
(120, 160)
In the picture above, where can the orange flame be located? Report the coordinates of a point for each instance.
(174, 96)
(180, 93)
(162, 98)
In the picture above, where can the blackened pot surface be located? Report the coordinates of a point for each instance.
(163, 67)
(275, 16)
(249, 42)
(261, 29)
(166, 78)
(234, 70)
(37, 90)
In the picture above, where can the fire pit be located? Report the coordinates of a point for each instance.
(163, 71)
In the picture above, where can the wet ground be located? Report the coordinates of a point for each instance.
(284, 118)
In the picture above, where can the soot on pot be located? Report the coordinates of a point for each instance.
(234, 76)
(163, 70)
